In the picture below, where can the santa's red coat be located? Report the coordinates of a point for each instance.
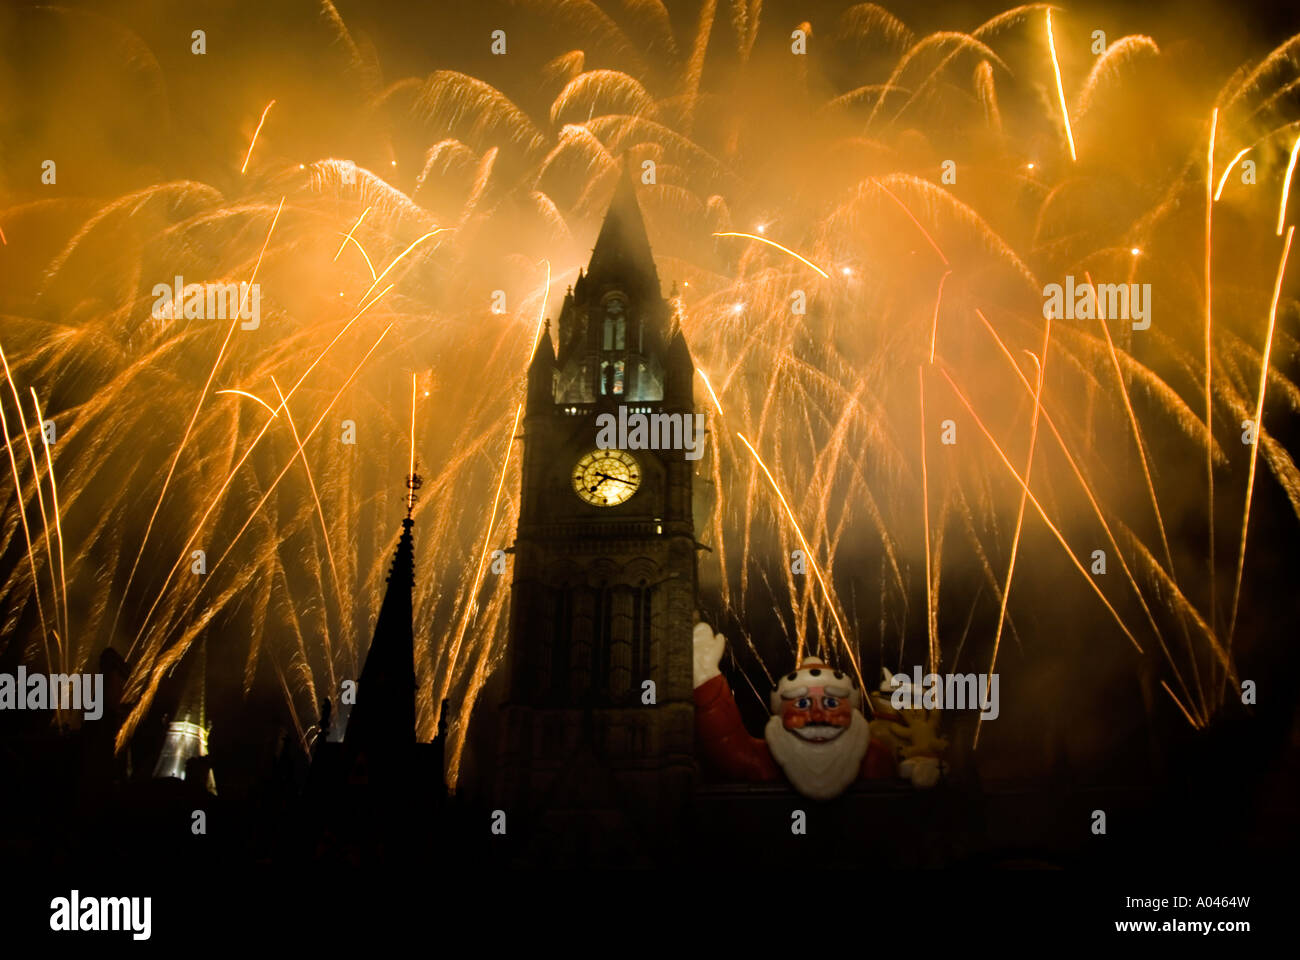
(721, 738)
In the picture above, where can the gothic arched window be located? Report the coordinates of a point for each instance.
(611, 378)
(602, 636)
(615, 324)
(641, 600)
(558, 673)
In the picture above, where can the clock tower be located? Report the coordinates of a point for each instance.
(596, 754)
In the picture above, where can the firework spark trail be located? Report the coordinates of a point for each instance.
(1209, 406)
(470, 610)
(1040, 365)
(3, 239)
(1160, 521)
(779, 377)
(1041, 512)
(968, 521)
(482, 666)
(293, 711)
(1259, 429)
(1182, 605)
(324, 529)
(142, 704)
(718, 506)
(965, 42)
(369, 265)
(758, 696)
(803, 602)
(230, 476)
(1286, 185)
(27, 535)
(709, 387)
(864, 490)
(749, 642)
(354, 55)
(773, 243)
(911, 216)
(541, 313)
(273, 550)
(695, 66)
(189, 428)
(965, 633)
(472, 688)
(931, 608)
(60, 633)
(253, 142)
(891, 82)
(940, 528)
(477, 678)
(828, 463)
(348, 236)
(1060, 88)
(251, 396)
(1096, 507)
(825, 462)
(776, 378)
(1195, 724)
(399, 258)
(410, 503)
(720, 544)
(812, 562)
(58, 523)
(934, 324)
(1227, 170)
(1137, 436)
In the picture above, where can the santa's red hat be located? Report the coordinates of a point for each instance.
(813, 672)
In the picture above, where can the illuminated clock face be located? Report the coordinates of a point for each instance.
(606, 478)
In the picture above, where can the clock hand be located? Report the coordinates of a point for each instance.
(615, 479)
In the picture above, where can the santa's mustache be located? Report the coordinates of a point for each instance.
(818, 732)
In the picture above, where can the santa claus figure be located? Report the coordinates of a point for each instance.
(817, 737)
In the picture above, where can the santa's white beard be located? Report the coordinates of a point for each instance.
(819, 770)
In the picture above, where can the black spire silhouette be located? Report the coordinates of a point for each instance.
(541, 372)
(622, 250)
(384, 714)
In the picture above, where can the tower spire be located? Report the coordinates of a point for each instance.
(622, 249)
(384, 714)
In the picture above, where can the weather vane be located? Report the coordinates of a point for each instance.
(413, 483)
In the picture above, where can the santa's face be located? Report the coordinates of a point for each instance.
(819, 740)
(816, 715)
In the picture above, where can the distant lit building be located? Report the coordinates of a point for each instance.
(187, 734)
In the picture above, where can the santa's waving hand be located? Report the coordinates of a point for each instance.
(720, 734)
(708, 653)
